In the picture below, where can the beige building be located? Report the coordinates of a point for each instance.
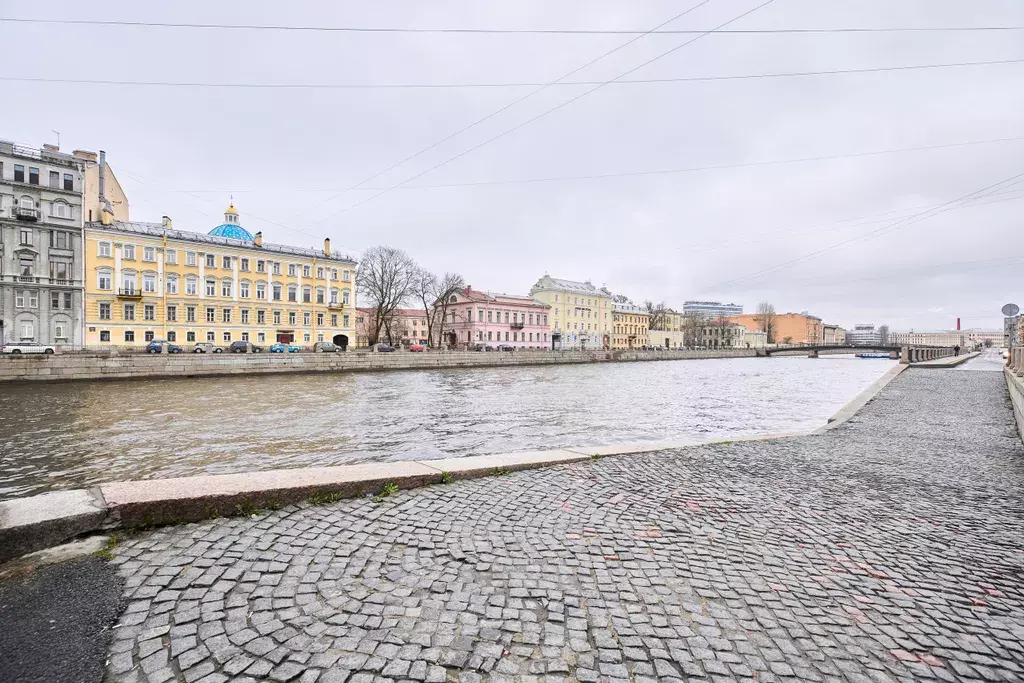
(117, 201)
(629, 326)
(752, 339)
(667, 330)
(833, 334)
(581, 314)
(961, 338)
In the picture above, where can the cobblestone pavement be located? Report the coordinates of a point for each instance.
(887, 549)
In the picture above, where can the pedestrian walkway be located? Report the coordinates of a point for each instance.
(890, 547)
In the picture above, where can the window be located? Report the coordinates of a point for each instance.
(319, 295)
(334, 319)
(171, 256)
(128, 283)
(67, 301)
(190, 314)
(227, 336)
(489, 336)
(277, 268)
(226, 315)
(59, 239)
(291, 317)
(307, 295)
(103, 249)
(305, 271)
(60, 209)
(69, 182)
(319, 273)
(149, 312)
(291, 270)
(211, 314)
(54, 178)
(245, 336)
(211, 287)
(344, 319)
(149, 254)
(19, 299)
(59, 270)
(346, 276)
(227, 262)
(305, 337)
(244, 290)
(489, 315)
(191, 285)
(129, 335)
(225, 288)
(261, 317)
(261, 337)
(28, 330)
(244, 265)
(104, 311)
(33, 175)
(469, 315)
(277, 317)
(129, 252)
(54, 300)
(305, 319)
(261, 266)
(172, 314)
(334, 296)
(261, 291)
(211, 336)
(172, 336)
(172, 284)
(245, 316)
(26, 237)
(344, 298)
(148, 335)
(277, 291)
(334, 273)
(129, 311)
(190, 336)
(293, 293)
(149, 282)
(190, 258)
(211, 261)
(506, 336)
(19, 173)
(104, 335)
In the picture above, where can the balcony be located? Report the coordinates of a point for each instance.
(23, 214)
(335, 305)
(129, 293)
(516, 324)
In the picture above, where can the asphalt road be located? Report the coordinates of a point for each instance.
(55, 623)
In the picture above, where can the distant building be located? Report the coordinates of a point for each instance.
(117, 201)
(581, 314)
(931, 338)
(864, 334)
(493, 319)
(833, 334)
(41, 256)
(753, 340)
(408, 326)
(790, 328)
(712, 309)
(629, 326)
(666, 329)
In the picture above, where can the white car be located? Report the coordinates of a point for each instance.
(26, 347)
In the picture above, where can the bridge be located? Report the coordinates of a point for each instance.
(905, 354)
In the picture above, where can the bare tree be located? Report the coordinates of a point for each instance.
(425, 286)
(883, 335)
(385, 281)
(766, 320)
(449, 285)
(620, 298)
(694, 324)
(657, 315)
(722, 327)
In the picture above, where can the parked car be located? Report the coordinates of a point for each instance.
(506, 347)
(284, 348)
(26, 347)
(326, 347)
(244, 347)
(158, 346)
(478, 347)
(419, 348)
(207, 347)
(385, 348)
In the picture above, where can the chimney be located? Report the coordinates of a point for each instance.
(958, 324)
(165, 221)
(83, 154)
(327, 246)
(50, 148)
(258, 239)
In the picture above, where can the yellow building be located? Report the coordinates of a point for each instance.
(147, 281)
(629, 326)
(581, 314)
(667, 330)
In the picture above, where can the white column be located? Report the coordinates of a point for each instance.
(160, 273)
(202, 276)
(117, 267)
(234, 278)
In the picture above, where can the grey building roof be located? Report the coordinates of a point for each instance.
(158, 230)
(548, 282)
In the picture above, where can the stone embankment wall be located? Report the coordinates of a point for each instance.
(30, 368)
(1016, 387)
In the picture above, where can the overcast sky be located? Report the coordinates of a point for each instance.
(288, 155)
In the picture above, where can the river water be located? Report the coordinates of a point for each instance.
(57, 436)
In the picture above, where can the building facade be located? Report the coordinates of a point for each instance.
(147, 281)
(959, 338)
(727, 336)
(864, 334)
(408, 326)
(41, 257)
(491, 319)
(754, 339)
(99, 173)
(833, 334)
(790, 328)
(581, 314)
(629, 326)
(712, 309)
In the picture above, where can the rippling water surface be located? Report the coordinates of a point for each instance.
(73, 435)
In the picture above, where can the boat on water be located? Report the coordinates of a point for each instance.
(873, 355)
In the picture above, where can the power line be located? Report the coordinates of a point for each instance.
(903, 222)
(506, 31)
(550, 110)
(500, 110)
(444, 86)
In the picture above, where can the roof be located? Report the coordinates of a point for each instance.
(632, 309)
(548, 282)
(232, 231)
(158, 230)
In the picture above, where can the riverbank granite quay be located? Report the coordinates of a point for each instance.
(889, 548)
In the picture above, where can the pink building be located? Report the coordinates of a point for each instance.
(475, 317)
